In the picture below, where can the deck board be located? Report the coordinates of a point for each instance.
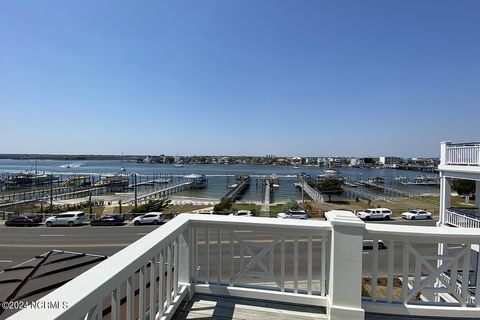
(221, 308)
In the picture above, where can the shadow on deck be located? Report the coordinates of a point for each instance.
(216, 307)
(223, 308)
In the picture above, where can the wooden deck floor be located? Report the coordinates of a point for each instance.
(222, 308)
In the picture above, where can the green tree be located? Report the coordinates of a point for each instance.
(223, 205)
(330, 186)
(291, 205)
(464, 187)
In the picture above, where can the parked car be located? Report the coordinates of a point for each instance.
(109, 220)
(377, 213)
(368, 244)
(416, 214)
(242, 213)
(293, 214)
(69, 219)
(24, 221)
(149, 218)
(205, 212)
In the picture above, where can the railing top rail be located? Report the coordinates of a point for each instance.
(464, 144)
(426, 233)
(256, 222)
(94, 284)
(464, 215)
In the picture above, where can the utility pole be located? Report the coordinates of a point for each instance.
(303, 195)
(51, 192)
(135, 188)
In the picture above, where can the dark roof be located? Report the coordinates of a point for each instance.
(37, 277)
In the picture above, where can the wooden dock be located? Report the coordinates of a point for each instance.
(239, 189)
(45, 196)
(163, 192)
(388, 189)
(314, 194)
(355, 193)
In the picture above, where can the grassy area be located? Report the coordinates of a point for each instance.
(456, 201)
(276, 208)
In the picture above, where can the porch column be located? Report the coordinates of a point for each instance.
(185, 252)
(445, 198)
(345, 284)
(443, 152)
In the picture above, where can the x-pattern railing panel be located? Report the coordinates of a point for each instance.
(273, 261)
(421, 268)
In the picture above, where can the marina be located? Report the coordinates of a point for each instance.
(212, 181)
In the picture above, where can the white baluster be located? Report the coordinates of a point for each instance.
(282, 263)
(161, 283)
(405, 270)
(390, 252)
(466, 275)
(219, 256)
(309, 266)
(295, 265)
(207, 243)
(169, 275)
(130, 297)
(323, 264)
(141, 293)
(153, 281)
(115, 304)
(232, 264)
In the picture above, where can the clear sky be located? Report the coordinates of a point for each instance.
(245, 77)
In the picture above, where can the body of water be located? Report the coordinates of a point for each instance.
(219, 176)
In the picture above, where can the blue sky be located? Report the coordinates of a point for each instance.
(249, 77)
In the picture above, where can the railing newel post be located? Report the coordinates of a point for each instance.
(345, 279)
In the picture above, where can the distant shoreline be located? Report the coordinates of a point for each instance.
(67, 157)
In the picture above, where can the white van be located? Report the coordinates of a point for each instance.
(68, 219)
(376, 213)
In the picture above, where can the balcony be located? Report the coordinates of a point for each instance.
(463, 218)
(319, 266)
(465, 154)
(461, 158)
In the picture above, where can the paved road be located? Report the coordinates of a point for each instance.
(19, 244)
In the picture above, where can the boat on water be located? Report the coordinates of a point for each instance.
(113, 182)
(199, 181)
(329, 173)
(122, 167)
(177, 161)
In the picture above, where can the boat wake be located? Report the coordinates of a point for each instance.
(72, 165)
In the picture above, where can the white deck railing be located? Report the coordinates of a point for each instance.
(463, 154)
(319, 263)
(461, 220)
(424, 255)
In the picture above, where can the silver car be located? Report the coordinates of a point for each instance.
(293, 214)
(149, 218)
(68, 219)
